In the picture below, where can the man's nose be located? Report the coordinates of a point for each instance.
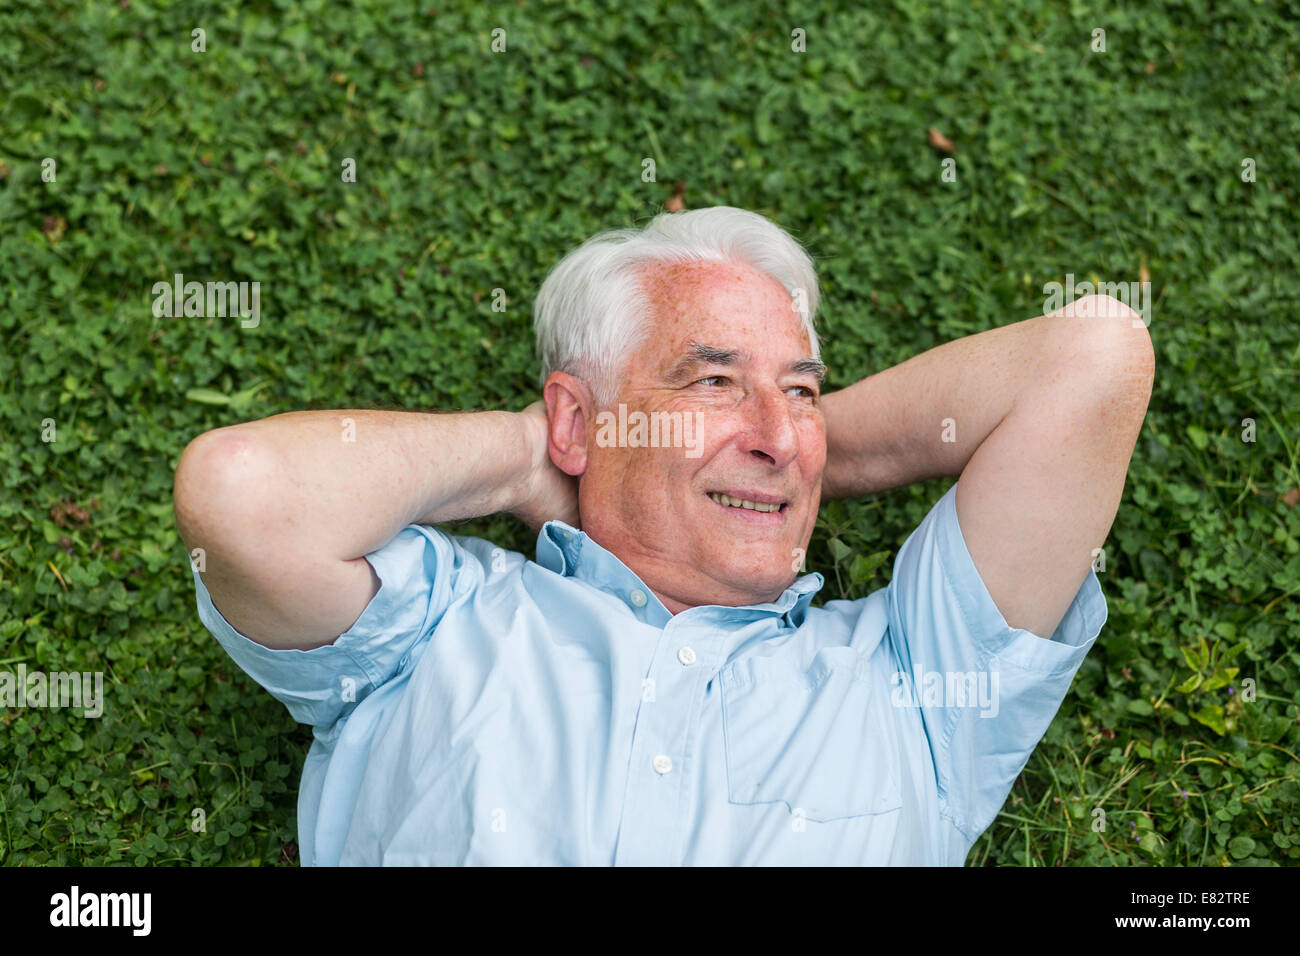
(770, 433)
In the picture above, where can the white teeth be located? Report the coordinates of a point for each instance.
(731, 502)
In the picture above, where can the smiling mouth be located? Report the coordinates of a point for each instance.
(748, 504)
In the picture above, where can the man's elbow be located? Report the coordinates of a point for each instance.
(1109, 344)
(220, 477)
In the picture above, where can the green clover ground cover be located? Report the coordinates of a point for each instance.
(475, 171)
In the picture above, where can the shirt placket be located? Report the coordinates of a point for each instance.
(665, 742)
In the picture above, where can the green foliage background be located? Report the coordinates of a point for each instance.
(478, 170)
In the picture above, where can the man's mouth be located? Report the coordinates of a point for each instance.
(750, 501)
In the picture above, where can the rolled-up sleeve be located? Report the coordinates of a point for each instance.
(420, 571)
(986, 691)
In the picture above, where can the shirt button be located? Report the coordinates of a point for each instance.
(686, 656)
(638, 598)
(663, 764)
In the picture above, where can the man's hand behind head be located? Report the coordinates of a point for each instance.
(551, 494)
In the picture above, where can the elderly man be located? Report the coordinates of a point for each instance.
(657, 688)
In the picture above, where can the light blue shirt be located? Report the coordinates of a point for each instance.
(486, 709)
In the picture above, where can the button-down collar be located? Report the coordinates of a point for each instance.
(572, 553)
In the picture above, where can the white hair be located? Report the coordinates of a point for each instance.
(591, 311)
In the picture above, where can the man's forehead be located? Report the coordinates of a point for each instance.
(686, 329)
(696, 270)
(694, 285)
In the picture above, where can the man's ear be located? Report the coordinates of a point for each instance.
(568, 406)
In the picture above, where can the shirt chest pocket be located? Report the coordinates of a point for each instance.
(819, 740)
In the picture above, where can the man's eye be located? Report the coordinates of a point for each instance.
(712, 378)
(807, 392)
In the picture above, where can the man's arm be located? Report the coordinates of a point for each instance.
(285, 508)
(1044, 413)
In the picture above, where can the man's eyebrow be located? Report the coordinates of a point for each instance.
(698, 354)
(810, 366)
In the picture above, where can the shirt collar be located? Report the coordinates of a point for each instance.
(569, 552)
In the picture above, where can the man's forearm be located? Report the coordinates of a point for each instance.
(925, 417)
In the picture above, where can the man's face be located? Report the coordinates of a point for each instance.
(725, 351)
